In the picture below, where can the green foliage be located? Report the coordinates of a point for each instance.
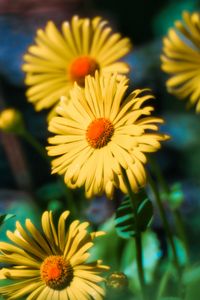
(181, 252)
(151, 256)
(125, 221)
(50, 191)
(176, 196)
(109, 241)
(192, 275)
(171, 13)
(170, 298)
(5, 217)
(191, 281)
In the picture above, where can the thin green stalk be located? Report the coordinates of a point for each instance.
(163, 283)
(165, 222)
(181, 231)
(36, 145)
(177, 216)
(138, 240)
(69, 197)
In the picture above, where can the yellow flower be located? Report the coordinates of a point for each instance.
(100, 132)
(51, 264)
(11, 121)
(181, 59)
(58, 59)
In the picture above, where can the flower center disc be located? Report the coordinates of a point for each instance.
(99, 132)
(56, 272)
(82, 67)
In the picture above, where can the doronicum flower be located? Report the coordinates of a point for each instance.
(58, 59)
(51, 264)
(100, 132)
(181, 59)
(11, 121)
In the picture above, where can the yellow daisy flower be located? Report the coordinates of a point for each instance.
(58, 59)
(51, 264)
(99, 132)
(181, 59)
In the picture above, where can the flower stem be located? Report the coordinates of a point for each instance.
(138, 240)
(165, 222)
(181, 231)
(177, 216)
(36, 145)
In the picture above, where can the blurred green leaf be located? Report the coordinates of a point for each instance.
(193, 291)
(151, 256)
(181, 251)
(50, 191)
(109, 241)
(176, 196)
(5, 217)
(191, 275)
(55, 205)
(125, 217)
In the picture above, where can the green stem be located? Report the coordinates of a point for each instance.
(138, 240)
(69, 197)
(36, 145)
(165, 222)
(177, 216)
(157, 171)
(163, 283)
(181, 231)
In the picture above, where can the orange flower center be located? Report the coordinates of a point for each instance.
(99, 132)
(81, 67)
(56, 272)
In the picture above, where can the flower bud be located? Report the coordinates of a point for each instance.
(117, 281)
(11, 121)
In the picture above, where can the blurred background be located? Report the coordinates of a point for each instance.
(26, 186)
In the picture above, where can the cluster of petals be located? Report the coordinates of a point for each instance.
(51, 264)
(101, 131)
(57, 59)
(181, 59)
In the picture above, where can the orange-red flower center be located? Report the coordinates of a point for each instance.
(99, 132)
(56, 272)
(81, 67)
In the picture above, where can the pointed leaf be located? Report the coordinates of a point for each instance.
(5, 217)
(125, 222)
(145, 214)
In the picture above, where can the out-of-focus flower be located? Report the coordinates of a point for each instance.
(181, 59)
(57, 59)
(100, 132)
(51, 264)
(11, 121)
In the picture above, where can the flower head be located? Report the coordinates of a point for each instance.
(11, 121)
(100, 132)
(181, 59)
(51, 264)
(58, 59)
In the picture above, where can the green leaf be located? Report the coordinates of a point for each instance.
(125, 222)
(176, 196)
(5, 217)
(51, 191)
(151, 257)
(192, 275)
(145, 214)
